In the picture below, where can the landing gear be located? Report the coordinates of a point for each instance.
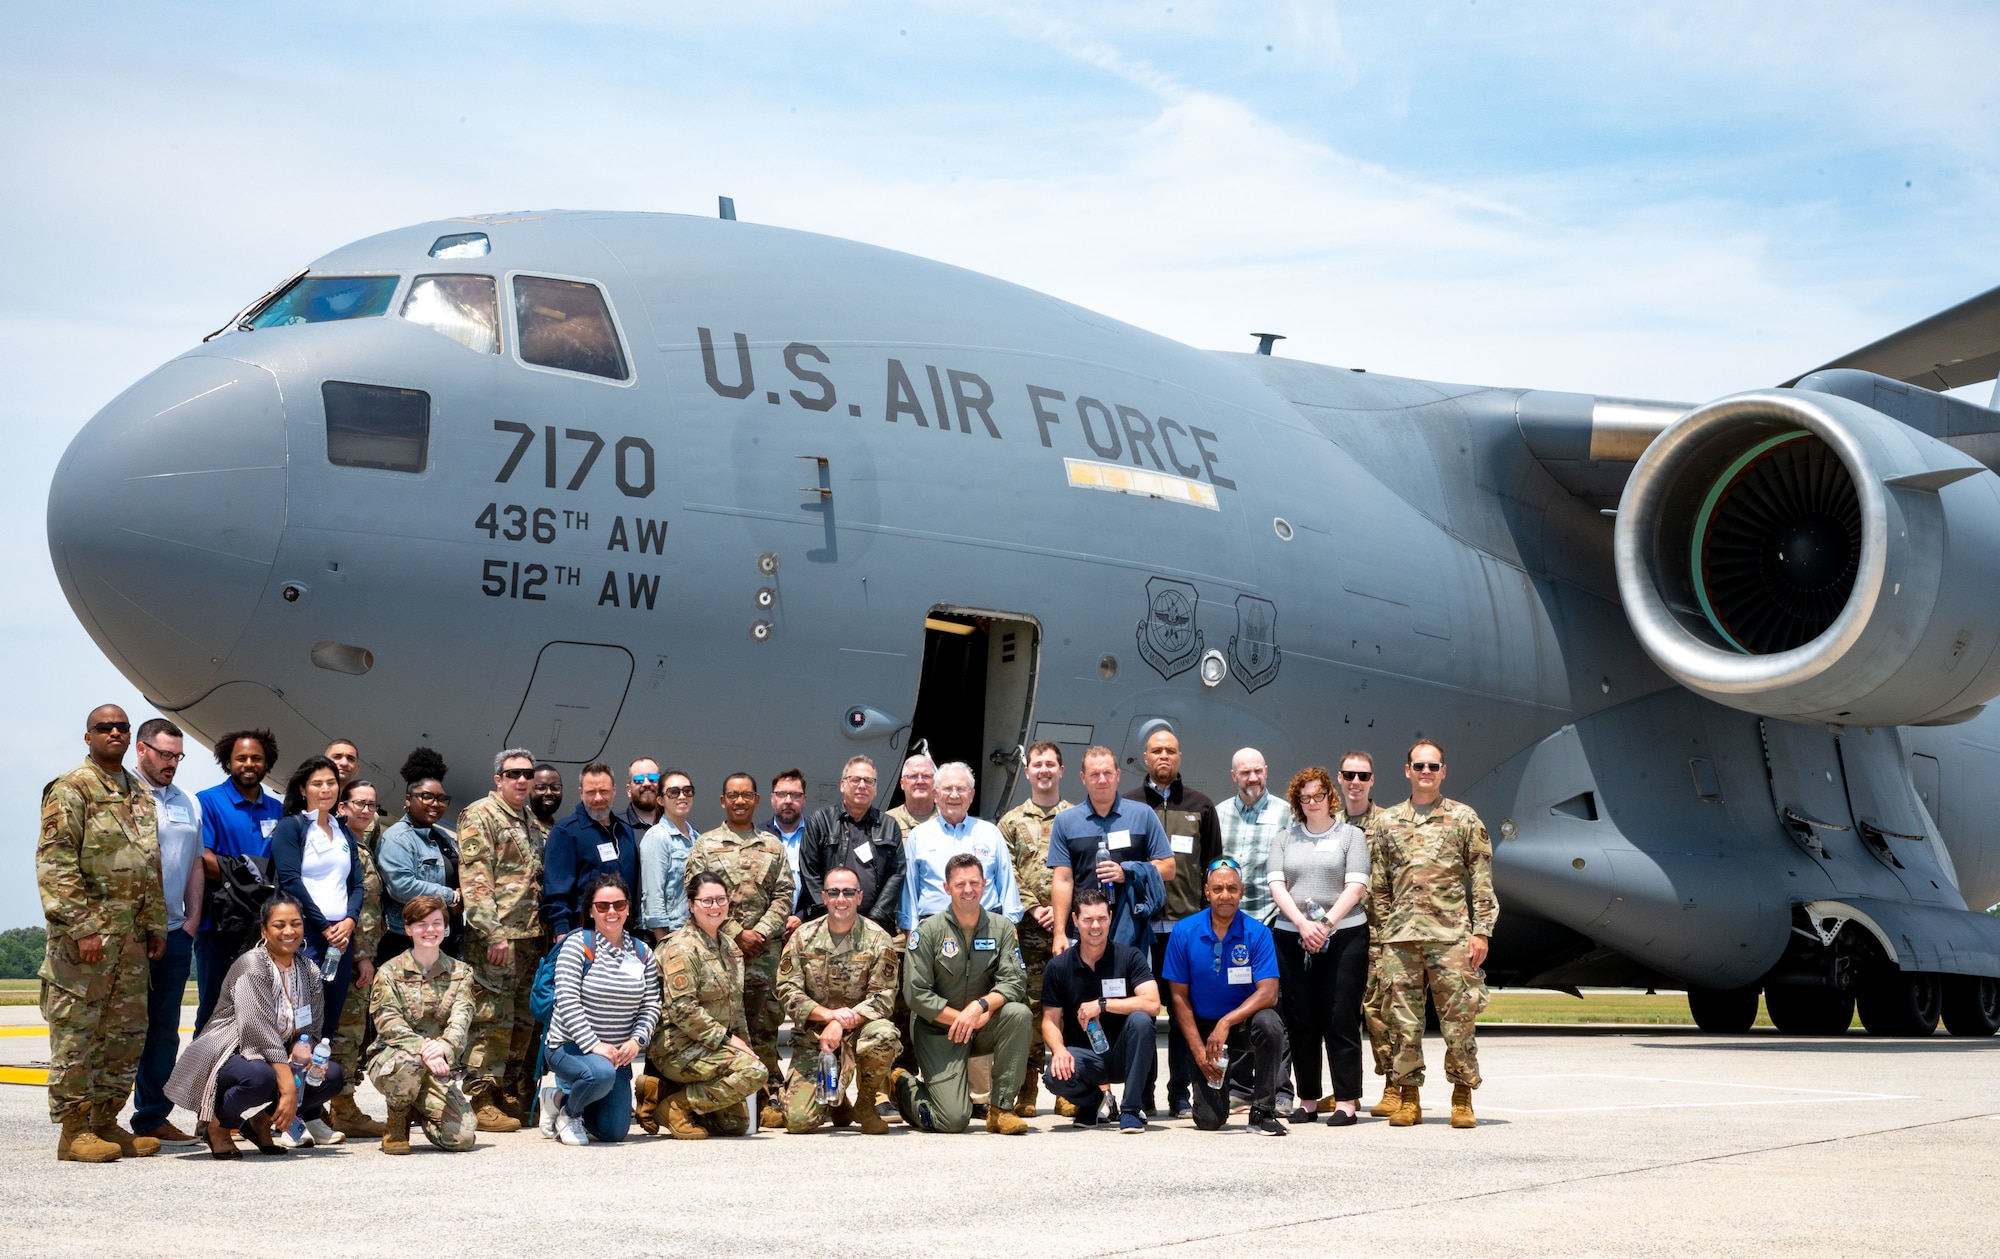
(1803, 1011)
(1728, 1012)
(1901, 1003)
(1971, 1005)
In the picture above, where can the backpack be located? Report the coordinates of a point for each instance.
(542, 996)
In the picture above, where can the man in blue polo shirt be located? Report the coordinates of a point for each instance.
(1223, 971)
(1127, 829)
(237, 817)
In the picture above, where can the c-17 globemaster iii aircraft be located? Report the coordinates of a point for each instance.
(739, 497)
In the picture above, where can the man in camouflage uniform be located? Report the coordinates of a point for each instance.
(98, 867)
(1358, 808)
(840, 972)
(351, 1037)
(500, 879)
(919, 804)
(753, 866)
(1431, 890)
(417, 1009)
(702, 1043)
(1026, 829)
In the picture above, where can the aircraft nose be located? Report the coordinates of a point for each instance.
(164, 518)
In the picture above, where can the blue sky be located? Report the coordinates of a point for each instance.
(1671, 201)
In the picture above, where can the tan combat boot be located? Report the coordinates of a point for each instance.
(349, 1118)
(78, 1144)
(768, 1114)
(645, 1103)
(1004, 1122)
(1024, 1105)
(1461, 1107)
(1409, 1113)
(491, 1117)
(106, 1128)
(677, 1117)
(396, 1133)
(1392, 1097)
(867, 1118)
(1066, 1108)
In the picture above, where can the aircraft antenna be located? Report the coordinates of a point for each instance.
(1265, 340)
(725, 208)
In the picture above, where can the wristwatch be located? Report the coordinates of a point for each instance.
(983, 1007)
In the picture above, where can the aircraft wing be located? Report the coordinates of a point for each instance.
(1960, 346)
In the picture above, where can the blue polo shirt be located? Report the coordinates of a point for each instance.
(1220, 974)
(1132, 832)
(234, 827)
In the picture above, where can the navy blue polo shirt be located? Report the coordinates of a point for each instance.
(1132, 832)
(1220, 974)
(1067, 983)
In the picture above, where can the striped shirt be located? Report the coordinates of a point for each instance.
(617, 999)
(1246, 835)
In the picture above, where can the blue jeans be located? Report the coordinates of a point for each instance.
(168, 981)
(335, 991)
(593, 1089)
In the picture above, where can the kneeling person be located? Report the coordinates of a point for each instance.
(1223, 971)
(421, 1002)
(840, 972)
(1111, 985)
(704, 1041)
(968, 996)
(607, 1003)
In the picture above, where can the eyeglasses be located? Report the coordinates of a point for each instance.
(788, 795)
(362, 806)
(1356, 775)
(739, 795)
(1312, 797)
(430, 797)
(1427, 767)
(843, 893)
(171, 758)
(518, 773)
(712, 902)
(676, 793)
(613, 907)
(106, 727)
(644, 778)
(858, 780)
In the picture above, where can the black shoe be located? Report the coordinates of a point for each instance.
(1302, 1115)
(979, 1111)
(1086, 1116)
(1180, 1112)
(1341, 1119)
(1266, 1126)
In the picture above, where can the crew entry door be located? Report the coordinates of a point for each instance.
(976, 697)
(572, 702)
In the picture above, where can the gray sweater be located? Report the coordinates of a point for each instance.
(1316, 867)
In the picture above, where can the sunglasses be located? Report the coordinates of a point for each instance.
(1224, 863)
(843, 893)
(1357, 775)
(614, 907)
(678, 793)
(1427, 767)
(644, 778)
(518, 773)
(107, 727)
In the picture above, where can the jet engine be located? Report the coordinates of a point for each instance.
(1802, 556)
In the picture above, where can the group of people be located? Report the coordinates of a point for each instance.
(590, 969)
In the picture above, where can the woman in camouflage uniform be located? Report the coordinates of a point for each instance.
(422, 1005)
(703, 1043)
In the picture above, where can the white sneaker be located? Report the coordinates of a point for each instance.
(318, 1130)
(286, 1141)
(569, 1129)
(550, 1102)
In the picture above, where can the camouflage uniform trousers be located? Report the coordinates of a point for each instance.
(1457, 988)
(503, 1032)
(1035, 946)
(762, 1011)
(351, 1038)
(1375, 1011)
(717, 1080)
(406, 1082)
(871, 1051)
(96, 1013)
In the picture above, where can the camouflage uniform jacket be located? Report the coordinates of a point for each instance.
(500, 870)
(820, 969)
(411, 1005)
(907, 821)
(369, 928)
(1425, 870)
(1026, 829)
(1370, 824)
(98, 860)
(752, 864)
(702, 981)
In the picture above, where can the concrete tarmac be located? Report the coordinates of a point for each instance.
(1593, 1141)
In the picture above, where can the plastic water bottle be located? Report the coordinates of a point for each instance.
(1222, 1063)
(1098, 1042)
(316, 1072)
(329, 965)
(298, 1129)
(829, 1076)
(1103, 855)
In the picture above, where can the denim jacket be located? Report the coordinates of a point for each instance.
(414, 863)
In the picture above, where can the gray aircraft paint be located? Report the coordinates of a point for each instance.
(1384, 558)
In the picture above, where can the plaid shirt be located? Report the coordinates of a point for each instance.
(1246, 836)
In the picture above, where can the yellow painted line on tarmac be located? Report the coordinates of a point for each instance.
(37, 1076)
(41, 1031)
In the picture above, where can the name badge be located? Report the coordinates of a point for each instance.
(179, 813)
(268, 825)
(864, 852)
(607, 852)
(1114, 989)
(1240, 975)
(1181, 843)
(985, 946)
(631, 967)
(305, 1014)
(1329, 844)
(1115, 840)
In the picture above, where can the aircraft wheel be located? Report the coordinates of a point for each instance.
(1809, 1011)
(1902, 1003)
(1971, 1005)
(1729, 1012)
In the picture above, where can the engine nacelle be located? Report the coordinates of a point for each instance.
(1799, 555)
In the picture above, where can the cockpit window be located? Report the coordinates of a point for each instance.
(465, 308)
(374, 426)
(565, 324)
(462, 245)
(321, 298)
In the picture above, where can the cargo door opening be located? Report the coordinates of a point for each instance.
(975, 698)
